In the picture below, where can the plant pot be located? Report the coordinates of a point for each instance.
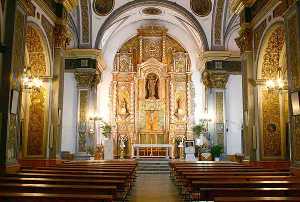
(217, 158)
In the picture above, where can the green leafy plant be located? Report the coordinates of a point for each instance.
(199, 128)
(91, 150)
(106, 129)
(216, 150)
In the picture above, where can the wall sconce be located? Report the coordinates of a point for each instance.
(277, 84)
(29, 81)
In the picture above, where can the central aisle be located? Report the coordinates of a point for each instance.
(154, 188)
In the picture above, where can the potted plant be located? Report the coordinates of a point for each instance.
(106, 130)
(216, 151)
(199, 128)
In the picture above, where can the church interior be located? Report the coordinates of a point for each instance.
(149, 100)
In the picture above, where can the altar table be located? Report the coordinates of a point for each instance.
(151, 147)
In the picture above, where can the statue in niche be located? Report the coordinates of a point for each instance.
(179, 107)
(152, 83)
(124, 107)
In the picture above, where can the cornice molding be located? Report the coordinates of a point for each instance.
(87, 53)
(264, 10)
(238, 5)
(220, 55)
(44, 7)
(69, 4)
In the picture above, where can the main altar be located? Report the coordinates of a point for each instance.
(151, 93)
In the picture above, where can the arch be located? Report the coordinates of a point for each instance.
(1, 21)
(171, 5)
(35, 104)
(272, 105)
(32, 22)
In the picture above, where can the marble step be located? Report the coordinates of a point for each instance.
(153, 162)
(152, 172)
(154, 168)
(152, 159)
(153, 165)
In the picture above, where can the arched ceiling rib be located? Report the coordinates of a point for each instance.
(172, 12)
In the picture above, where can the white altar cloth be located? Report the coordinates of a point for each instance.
(151, 146)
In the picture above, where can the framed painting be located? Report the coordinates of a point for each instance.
(103, 7)
(201, 8)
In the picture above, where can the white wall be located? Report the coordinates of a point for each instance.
(69, 116)
(234, 113)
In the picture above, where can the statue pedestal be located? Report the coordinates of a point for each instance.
(108, 150)
(82, 156)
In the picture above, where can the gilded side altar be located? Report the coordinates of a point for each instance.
(151, 90)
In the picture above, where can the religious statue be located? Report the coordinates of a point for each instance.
(99, 154)
(152, 87)
(122, 148)
(123, 107)
(179, 107)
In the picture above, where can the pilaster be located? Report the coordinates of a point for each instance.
(87, 65)
(292, 24)
(215, 83)
(10, 75)
(249, 137)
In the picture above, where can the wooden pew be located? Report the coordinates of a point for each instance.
(255, 199)
(61, 189)
(78, 172)
(51, 197)
(66, 176)
(204, 181)
(98, 178)
(208, 194)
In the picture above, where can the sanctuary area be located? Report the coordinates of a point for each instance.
(149, 100)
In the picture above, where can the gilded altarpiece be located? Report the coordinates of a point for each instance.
(36, 101)
(273, 119)
(151, 90)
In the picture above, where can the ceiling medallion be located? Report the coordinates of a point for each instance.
(152, 11)
(103, 7)
(201, 7)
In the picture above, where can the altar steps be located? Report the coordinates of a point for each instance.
(153, 166)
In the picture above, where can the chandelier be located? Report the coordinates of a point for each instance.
(279, 83)
(29, 81)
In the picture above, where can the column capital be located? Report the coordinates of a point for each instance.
(87, 78)
(244, 41)
(213, 79)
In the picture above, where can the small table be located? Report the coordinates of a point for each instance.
(151, 146)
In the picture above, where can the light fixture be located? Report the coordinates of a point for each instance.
(277, 84)
(29, 81)
(280, 80)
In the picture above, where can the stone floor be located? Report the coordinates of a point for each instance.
(154, 188)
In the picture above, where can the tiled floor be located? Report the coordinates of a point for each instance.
(154, 188)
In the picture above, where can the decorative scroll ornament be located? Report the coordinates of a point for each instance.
(69, 4)
(62, 36)
(28, 7)
(244, 41)
(152, 11)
